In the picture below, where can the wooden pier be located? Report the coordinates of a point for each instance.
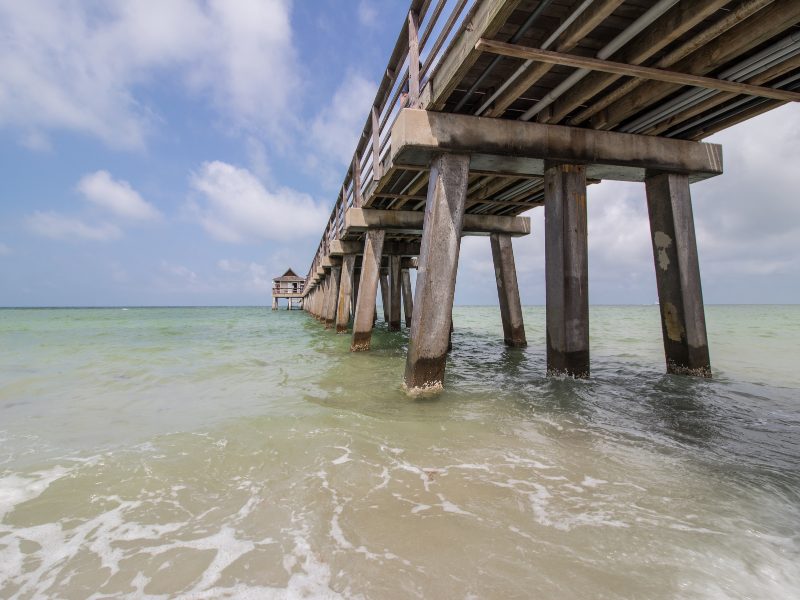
(490, 108)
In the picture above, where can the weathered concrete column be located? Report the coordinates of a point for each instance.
(505, 274)
(356, 283)
(274, 304)
(436, 276)
(567, 269)
(408, 299)
(333, 299)
(326, 297)
(345, 291)
(394, 293)
(683, 321)
(367, 290)
(385, 297)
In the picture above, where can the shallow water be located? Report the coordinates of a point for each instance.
(216, 452)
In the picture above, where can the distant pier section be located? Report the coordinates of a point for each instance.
(288, 286)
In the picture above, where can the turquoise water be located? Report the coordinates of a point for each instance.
(240, 452)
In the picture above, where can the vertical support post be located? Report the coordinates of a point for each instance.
(436, 275)
(326, 298)
(394, 293)
(413, 59)
(367, 290)
(567, 269)
(333, 299)
(408, 300)
(376, 145)
(385, 297)
(345, 291)
(356, 182)
(505, 274)
(356, 283)
(274, 303)
(680, 295)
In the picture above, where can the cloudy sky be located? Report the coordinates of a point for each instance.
(185, 152)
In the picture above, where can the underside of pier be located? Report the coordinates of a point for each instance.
(491, 108)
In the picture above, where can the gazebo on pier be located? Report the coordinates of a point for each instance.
(289, 286)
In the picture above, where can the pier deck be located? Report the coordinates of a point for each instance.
(489, 108)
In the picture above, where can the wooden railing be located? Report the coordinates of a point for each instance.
(414, 59)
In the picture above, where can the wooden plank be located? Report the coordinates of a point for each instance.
(720, 99)
(742, 12)
(669, 27)
(572, 36)
(769, 22)
(486, 20)
(607, 66)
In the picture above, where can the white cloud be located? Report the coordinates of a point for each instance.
(115, 196)
(61, 227)
(237, 207)
(179, 271)
(36, 141)
(336, 129)
(79, 66)
(367, 13)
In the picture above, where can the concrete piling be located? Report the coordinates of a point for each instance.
(345, 293)
(394, 293)
(333, 297)
(505, 273)
(386, 300)
(367, 290)
(567, 269)
(680, 295)
(408, 299)
(436, 276)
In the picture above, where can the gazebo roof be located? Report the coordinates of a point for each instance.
(289, 276)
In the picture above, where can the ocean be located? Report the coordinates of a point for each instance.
(246, 453)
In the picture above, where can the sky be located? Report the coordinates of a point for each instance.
(186, 152)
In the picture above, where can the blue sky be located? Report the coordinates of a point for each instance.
(185, 152)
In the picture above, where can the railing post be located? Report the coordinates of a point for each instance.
(376, 146)
(356, 182)
(413, 59)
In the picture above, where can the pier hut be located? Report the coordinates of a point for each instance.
(290, 286)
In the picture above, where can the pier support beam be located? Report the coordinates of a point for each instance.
(505, 274)
(333, 297)
(683, 321)
(367, 290)
(567, 269)
(436, 276)
(274, 304)
(386, 300)
(345, 293)
(325, 297)
(394, 293)
(408, 299)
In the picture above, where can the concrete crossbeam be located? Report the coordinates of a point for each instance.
(390, 248)
(503, 146)
(357, 220)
